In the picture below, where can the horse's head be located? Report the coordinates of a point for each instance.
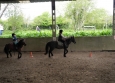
(73, 39)
(22, 42)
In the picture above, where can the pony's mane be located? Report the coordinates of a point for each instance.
(21, 40)
(69, 39)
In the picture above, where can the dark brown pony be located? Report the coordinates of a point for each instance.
(51, 45)
(10, 47)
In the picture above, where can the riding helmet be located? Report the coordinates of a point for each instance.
(60, 31)
(13, 34)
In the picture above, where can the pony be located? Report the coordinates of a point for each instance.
(10, 47)
(51, 45)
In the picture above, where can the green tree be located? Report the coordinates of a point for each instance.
(110, 21)
(62, 22)
(15, 17)
(76, 11)
(4, 24)
(98, 18)
(43, 20)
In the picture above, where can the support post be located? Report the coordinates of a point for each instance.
(53, 20)
(113, 17)
(0, 6)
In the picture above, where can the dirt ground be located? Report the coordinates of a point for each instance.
(77, 67)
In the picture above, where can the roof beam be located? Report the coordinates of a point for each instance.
(24, 1)
(18, 1)
(9, 1)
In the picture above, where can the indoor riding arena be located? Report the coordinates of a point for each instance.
(90, 60)
(77, 67)
(89, 64)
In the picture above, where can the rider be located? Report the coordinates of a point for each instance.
(15, 40)
(61, 38)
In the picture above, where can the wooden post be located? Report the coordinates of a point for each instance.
(53, 20)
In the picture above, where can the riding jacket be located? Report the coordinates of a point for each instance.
(15, 40)
(61, 38)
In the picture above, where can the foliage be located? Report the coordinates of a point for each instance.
(83, 13)
(1, 22)
(4, 24)
(98, 18)
(62, 22)
(15, 17)
(15, 23)
(48, 33)
(76, 11)
(43, 21)
(94, 33)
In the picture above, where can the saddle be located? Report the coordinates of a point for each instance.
(60, 45)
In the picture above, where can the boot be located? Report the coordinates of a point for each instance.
(65, 46)
(16, 47)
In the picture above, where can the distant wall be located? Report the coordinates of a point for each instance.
(82, 44)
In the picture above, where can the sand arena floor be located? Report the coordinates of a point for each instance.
(77, 67)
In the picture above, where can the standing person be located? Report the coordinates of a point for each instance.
(15, 40)
(37, 29)
(1, 29)
(61, 38)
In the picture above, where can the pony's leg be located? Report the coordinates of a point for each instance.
(10, 54)
(65, 52)
(50, 51)
(7, 55)
(19, 55)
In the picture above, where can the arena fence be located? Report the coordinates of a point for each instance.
(105, 43)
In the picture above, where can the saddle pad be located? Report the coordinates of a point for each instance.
(60, 43)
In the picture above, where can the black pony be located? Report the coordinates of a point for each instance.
(51, 45)
(10, 47)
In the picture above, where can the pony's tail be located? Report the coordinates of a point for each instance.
(5, 49)
(46, 48)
